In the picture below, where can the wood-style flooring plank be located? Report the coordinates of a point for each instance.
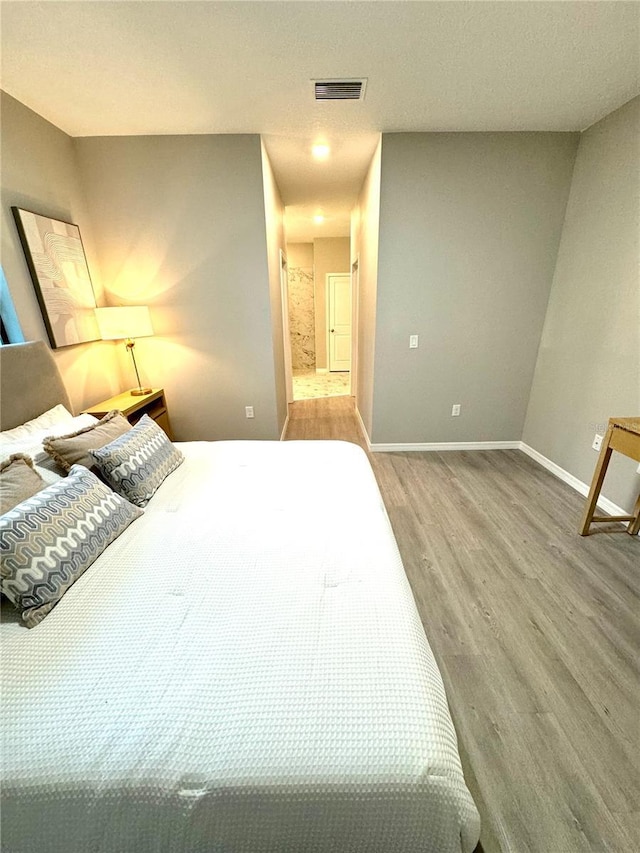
(535, 628)
(324, 418)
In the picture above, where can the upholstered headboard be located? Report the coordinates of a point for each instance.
(29, 383)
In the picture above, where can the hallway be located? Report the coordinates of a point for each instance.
(325, 418)
(308, 385)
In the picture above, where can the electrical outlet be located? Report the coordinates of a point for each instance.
(413, 342)
(248, 410)
(597, 442)
(455, 410)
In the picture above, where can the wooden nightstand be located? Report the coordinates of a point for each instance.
(133, 408)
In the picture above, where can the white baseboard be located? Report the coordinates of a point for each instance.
(284, 428)
(446, 445)
(322, 369)
(583, 488)
(362, 427)
(604, 503)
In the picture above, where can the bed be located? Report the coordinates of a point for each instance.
(237, 672)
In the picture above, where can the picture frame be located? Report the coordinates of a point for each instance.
(58, 266)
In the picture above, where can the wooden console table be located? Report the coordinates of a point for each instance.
(623, 435)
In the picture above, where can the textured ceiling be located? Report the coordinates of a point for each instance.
(108, 68)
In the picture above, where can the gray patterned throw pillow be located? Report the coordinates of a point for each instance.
(138, 462)
(51, 538)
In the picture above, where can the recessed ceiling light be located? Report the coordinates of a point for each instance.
(318, 219)
(321, 151)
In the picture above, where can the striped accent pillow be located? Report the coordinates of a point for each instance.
(51, 538)
(138, 462)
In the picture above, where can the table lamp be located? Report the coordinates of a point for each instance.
(126, 323)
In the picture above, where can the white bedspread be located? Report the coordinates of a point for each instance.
(243, 670)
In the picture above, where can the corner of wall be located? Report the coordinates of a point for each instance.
(588, 367)
(365, 229)
(275, 244)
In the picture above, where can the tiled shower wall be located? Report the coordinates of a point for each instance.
(302, 318)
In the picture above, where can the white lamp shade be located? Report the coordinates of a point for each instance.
(126, 321)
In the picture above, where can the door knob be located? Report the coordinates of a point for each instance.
(332, 330)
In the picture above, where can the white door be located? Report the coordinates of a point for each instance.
(339, 316)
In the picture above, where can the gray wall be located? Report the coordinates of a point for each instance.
(365, 223)
(180, 226)
(469, 230)
(275, 243)
(588, 367)
(39, 173)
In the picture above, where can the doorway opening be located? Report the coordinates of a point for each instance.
(319, 317)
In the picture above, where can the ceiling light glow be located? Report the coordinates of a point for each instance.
(321, 151)
(318, 219)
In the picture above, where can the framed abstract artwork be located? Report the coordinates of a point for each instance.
(58, 266)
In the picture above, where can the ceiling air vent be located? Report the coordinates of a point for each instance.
(339, 90)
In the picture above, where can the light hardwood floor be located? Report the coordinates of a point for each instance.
(536, 631)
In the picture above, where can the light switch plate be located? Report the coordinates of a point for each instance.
(413, 342)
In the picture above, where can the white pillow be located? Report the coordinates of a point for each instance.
(72, 425)
(57, 421)
(46, 420)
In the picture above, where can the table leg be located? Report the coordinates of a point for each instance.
(634, 526)
(596, 483)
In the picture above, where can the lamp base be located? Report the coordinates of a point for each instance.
(140, 392)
